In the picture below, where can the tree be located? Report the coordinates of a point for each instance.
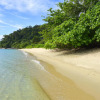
(22, 38)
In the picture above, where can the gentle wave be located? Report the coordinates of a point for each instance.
(40, 66)
(36, 61)
(25, 53)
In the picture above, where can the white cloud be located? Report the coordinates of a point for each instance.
(1, 36)
(21, 17)
(16, 26)
(1, 21)
(33, 6)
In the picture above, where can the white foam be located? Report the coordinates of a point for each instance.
(36, 61)
(41, 67)
(26, 54)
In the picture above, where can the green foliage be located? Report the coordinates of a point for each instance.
(86, 29)
(74, 34)
(85, 4)
(22, 38)
(60, 31)
(35, 46)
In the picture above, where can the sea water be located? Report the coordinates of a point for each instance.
(16, 82)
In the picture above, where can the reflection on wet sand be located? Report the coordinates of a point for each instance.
(57, 86)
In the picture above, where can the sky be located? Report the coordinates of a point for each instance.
(17, 14)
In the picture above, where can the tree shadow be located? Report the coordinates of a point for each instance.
(79, 51)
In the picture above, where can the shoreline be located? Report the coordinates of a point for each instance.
(78, 67)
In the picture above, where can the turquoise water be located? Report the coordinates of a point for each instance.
(16, 82)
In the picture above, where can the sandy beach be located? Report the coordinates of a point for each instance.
(79, 72)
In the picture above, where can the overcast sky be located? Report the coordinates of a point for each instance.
(17, 14)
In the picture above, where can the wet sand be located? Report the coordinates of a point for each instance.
(77, 73)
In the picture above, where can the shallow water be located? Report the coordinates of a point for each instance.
(16, 82)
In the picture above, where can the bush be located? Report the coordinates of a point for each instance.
(84, 32)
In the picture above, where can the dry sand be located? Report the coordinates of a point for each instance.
(80, 68)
